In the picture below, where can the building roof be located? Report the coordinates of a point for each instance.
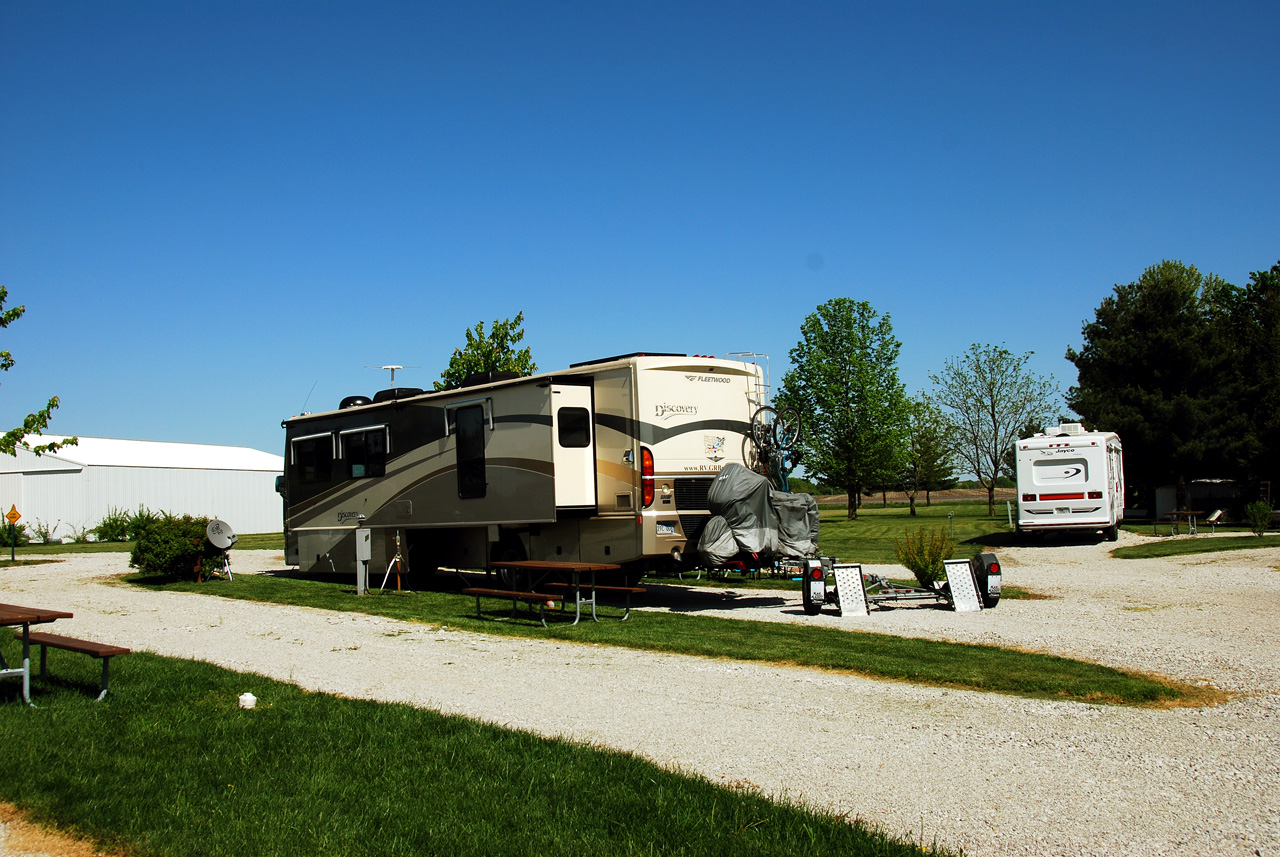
(115, 452)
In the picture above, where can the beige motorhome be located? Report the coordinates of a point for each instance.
(606, 461)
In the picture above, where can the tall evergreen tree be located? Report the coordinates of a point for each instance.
(1156, 367)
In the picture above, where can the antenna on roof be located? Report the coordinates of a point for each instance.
(393, 371)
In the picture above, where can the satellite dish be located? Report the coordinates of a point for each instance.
(220, 535)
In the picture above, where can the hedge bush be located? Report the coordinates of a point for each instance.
(141, 521)
(171, 546)
(114, 527)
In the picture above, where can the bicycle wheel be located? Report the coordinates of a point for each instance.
(750, 454)
(786, 428)
(762, 427)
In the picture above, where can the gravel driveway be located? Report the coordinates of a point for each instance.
(991, 774)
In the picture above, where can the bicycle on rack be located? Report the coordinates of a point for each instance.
(767, 445)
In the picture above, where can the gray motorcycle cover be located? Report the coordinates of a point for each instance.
(797, 516)
(741, 497)
(717, 544)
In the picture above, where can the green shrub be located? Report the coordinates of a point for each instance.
(15, 537)
(114, 527)
(924, 552)
(1258, 514)
(172, 546)
(140, 522)
(43, 531)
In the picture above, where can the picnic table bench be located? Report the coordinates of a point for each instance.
(15, 615)
(542, 599)
(103, 651)
(628, 591)
(541, 569)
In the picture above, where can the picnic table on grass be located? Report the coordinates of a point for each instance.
(12, 615)
(546, 583)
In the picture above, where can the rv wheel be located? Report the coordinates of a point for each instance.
(1111, 533)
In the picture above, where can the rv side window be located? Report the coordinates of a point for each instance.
(470, 427)
(575, 427)
(313, 458)
(365, 452)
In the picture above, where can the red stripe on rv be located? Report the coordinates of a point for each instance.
(1062, 496)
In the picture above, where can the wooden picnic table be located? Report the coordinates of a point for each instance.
(14, 615)
(1179, 515)
(573, 570)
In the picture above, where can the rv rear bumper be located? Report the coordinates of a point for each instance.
(1066, 524)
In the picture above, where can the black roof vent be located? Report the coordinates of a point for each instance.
(489, 376)
(353, 402)
(625, 357)
(396, 393)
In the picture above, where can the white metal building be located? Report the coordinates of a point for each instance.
(73, 489)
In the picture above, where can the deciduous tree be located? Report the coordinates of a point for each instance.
(989, 395)
(492, 352)
(927, 453)
(37, 422)
(844, 383)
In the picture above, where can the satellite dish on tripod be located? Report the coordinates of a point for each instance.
(220, 535)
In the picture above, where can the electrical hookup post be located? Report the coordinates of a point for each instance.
(13, 517)
(364, 553)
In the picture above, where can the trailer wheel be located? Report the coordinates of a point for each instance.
(981, 565)
(811, 607)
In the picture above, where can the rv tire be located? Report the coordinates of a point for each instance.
(1111, 533)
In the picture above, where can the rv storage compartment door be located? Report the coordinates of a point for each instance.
(573, 447)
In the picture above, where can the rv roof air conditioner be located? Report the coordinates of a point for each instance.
(354, 402)
(396, 393)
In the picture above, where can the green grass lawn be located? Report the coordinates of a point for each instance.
(169, 765)
(958, 665)
(1181, 547)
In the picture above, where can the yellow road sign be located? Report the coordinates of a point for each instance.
(13, 515)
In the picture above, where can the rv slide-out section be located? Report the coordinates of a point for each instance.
(1070, 479)
(608, 461)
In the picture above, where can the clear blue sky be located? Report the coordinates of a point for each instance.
(210, 209)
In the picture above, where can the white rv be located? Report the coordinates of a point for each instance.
(607, 461)
(1070, 479)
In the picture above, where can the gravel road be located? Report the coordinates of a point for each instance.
(991, 774)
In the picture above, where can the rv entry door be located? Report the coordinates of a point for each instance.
(573, 447)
